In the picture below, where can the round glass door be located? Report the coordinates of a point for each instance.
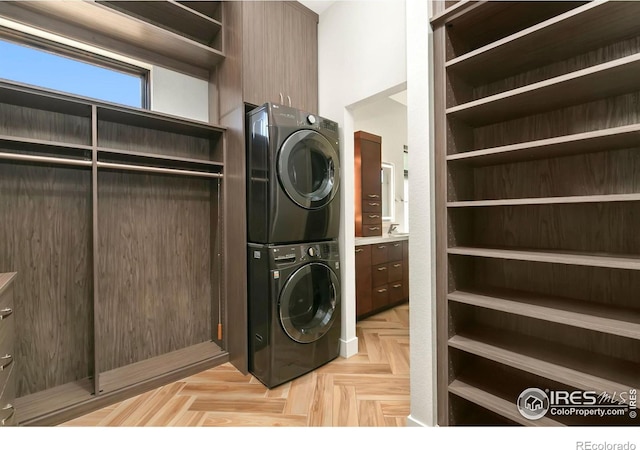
(308, 302)
(309, 169)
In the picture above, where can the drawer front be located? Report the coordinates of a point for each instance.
(363, 255)
(364, 303)
(379, 254)
(396, 292)
(395, 271)
(373, 206)
(380, 297)
(6, 338)
(7, 400)
(372, 229)
(6, 303)
(372, 218)
(379, 275)
(395, 251)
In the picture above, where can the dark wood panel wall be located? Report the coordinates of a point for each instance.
(46, 236)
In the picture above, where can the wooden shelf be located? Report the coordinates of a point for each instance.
(505, 408)
(31, 407)
(21, 143)
(582, 314)
(131, 157)
(554, 257)
(552, 360)
(593, 141)
(591, 25)
(574, 88)
(209, 8)
(173, 16)
(163, 365)
(33, 97)
(546, 200)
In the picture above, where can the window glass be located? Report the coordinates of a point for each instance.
(40, 68)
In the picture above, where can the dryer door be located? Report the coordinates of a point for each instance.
(309, 302)
(309, 169)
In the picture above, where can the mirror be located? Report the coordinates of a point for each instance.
(387, 179)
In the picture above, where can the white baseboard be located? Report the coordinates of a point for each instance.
(349, 348)
(411, 422)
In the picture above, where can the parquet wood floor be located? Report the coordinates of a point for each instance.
(368, 389)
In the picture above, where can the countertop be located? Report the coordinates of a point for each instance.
(381, 239)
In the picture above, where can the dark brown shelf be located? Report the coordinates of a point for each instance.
(173, 16)
(131, 157)
(627, 136)
(505, 408)
(37, 98)
(574, 88)
(546, 200)
(158, 121)
(582, 314)
(209, 8)
(590, 25)
(20, 143)
(611, 261)
(552, 360)
(163, 365)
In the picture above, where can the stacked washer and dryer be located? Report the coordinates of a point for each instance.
(293, 215)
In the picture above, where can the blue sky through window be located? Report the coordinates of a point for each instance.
(36, 67)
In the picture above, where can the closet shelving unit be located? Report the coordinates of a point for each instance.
(112, 216)
(537, 131)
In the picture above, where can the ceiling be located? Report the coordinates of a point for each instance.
(317, 6)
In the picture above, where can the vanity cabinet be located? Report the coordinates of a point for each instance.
(381, 276)
(280, 54)
(368, 187)
(7, 372)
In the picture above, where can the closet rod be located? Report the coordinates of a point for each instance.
(45, 159)
(119, 166)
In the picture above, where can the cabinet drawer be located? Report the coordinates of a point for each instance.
(373, 229)
(395, 271)
(363, 255)
(379, 253)
(396, 291)
(372, 218)
(371, 206)
(379, 275)
(6, 337)
(395, 251)
(380, 297)
(7, 400)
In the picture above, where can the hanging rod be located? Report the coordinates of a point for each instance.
(45, 159)
(192, 173)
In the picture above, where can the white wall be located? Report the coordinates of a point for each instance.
(388, 118)
(421, 216)
(179, 94)
(361, 54)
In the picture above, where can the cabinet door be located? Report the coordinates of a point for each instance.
(379, 254)
(363, 280)
(395, 251)
(371, 157)
(300, 43)
(254, 27)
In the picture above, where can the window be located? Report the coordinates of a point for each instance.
(73, 71)
(388, 191)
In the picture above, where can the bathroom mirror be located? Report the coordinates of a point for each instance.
(387, 180)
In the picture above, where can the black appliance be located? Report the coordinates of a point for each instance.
(294, 309)
(293, 176)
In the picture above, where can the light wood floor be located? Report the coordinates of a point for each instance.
(368, 389)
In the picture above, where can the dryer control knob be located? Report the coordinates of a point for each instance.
(311, 251)
(311, 119)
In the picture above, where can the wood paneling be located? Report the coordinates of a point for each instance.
(46, 236)
(155, 264)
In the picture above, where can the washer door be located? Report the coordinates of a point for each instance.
(309, 302)
(309, 169)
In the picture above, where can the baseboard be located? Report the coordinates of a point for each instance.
(349, 348)
(412, 422)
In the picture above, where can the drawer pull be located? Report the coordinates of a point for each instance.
(396, 265)
(396, 245)
(358, 250)
(7, 409)
(382, 290)
(5, 361)
(382, 246)
(380, 269)
(374, 204)
(373, 216)
(374, 228)
(396, 286)
(373, 196)
(6, 312)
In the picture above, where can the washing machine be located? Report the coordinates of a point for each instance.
(294, 309)
(293, 176)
